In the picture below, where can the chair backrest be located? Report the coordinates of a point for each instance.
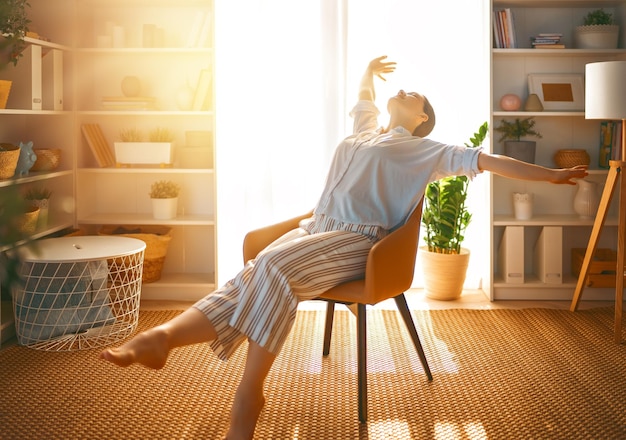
(391, 261)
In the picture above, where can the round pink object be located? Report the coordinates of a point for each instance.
(510, 102)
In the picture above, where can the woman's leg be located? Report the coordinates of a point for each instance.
(249, 398)
(151, 348)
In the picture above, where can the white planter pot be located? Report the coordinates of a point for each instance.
(596, 37)
(144, 153)
(444, 274)
(164, 209)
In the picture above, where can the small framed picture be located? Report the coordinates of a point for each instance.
(558, 91)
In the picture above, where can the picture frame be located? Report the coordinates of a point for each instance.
(558, 91)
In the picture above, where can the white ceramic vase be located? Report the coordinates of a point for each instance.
(164, 209)
(587, 199)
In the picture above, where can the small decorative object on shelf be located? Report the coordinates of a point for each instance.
(587, 200)
(533, 103)
(26, 160)
(131, 86)
(164, 195)
(9, 155)
(571, 158)
(512, 134)
(48, 159)
(597, 32)
(510, 102)
(523, 206)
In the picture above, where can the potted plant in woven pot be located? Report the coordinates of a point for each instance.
(164, 195)
(40, 197)
(598, 31)
(512, 133)
(445, 218)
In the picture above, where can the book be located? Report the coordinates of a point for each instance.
(607, 133)
(52, 80)
(98, 144)
(548, 46)
(202, 95)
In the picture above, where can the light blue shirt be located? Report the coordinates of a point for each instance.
(378, 178)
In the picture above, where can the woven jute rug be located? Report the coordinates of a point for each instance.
(498, 374)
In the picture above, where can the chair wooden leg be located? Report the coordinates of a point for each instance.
(362, 361)
(328, 327)
(406, 316)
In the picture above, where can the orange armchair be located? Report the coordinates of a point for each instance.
(388, 274)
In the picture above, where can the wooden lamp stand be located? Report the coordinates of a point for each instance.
(614, 179)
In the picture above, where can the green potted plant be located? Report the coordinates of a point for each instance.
(39, 196)
(164, 195)
(445, 218)
(13, 28)
(598, 31)
(512, 133)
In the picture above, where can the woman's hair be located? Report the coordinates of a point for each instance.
(425, 128)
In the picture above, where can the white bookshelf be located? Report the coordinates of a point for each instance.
(553, 204)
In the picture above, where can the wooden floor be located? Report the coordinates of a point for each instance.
(470, 299)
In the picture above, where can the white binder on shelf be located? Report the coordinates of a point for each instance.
(548, 255)
(26, 76)
(511, 255)
(52, 80)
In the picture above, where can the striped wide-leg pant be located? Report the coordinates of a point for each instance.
(260, 303)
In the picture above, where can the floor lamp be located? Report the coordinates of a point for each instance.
(605, 98)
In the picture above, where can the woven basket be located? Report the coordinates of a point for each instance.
(5, 89)
(9, 155)
(157, 239)
(571, 158)
(48, 159)
(27, 222)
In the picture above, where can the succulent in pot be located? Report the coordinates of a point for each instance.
(513, 132)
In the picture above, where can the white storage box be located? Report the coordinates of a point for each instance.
(144, 153)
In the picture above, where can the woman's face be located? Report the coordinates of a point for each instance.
(409, 104)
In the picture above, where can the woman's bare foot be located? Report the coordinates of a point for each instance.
(244, 415)
(149, 348)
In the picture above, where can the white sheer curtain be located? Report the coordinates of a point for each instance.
(287, 75)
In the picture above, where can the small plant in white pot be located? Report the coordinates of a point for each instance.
(132, 149)
(598, 31)
(164, 195)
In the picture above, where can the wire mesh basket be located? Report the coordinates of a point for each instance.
(76, 305)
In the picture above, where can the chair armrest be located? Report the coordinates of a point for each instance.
(257, 240)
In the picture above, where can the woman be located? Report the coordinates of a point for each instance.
(376, 179)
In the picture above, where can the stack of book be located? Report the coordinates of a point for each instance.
(547, 41)
(504, 29)
(126, 103)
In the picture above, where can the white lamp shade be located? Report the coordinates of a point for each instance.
(605, 90)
